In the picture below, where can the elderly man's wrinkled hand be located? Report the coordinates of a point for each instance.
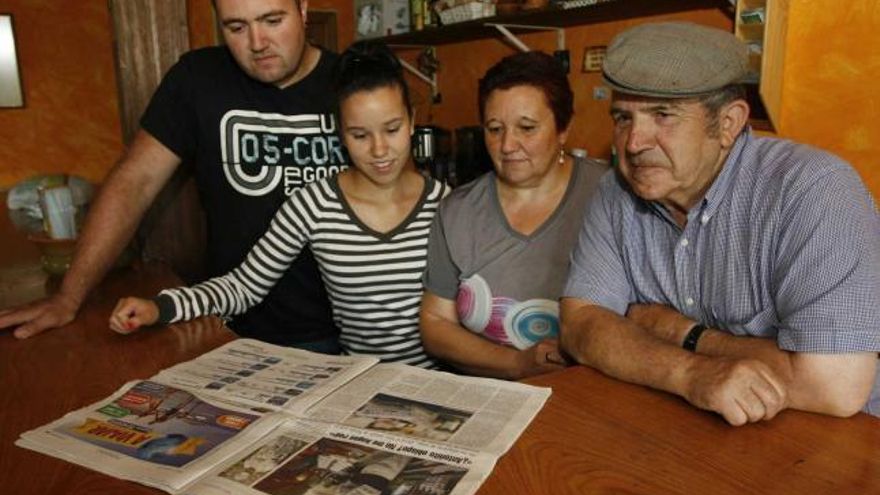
(39, 316)
(741, 390)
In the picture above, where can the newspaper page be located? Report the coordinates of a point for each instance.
(265, 376)
(313, 458)
(474, 413)
(250, 417)
(151, 433)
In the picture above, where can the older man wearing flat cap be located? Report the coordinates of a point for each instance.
(741, 273)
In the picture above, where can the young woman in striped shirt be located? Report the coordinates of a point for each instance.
(367, 226)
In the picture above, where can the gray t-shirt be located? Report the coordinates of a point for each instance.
(505, 284)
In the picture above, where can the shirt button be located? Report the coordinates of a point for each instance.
(704, 219)
(689, 301)
(684, 242)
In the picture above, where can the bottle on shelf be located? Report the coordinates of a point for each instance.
(416, 13)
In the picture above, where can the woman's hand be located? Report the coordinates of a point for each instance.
(543, 357)
(445, 338)
(131, 313)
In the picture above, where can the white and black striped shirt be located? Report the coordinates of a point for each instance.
(374, 279)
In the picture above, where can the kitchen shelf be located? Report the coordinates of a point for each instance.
(764, 94)
(609, 10)
(766, 40)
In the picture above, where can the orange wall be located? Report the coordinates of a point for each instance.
(831, 81)
(71, 120)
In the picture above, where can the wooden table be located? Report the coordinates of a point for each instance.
(48, 375)
(595, 435)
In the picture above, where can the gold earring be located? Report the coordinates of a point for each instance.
(561, 156)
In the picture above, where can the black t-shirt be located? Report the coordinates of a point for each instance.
(252, 144)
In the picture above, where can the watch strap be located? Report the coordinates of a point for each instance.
(693, 337)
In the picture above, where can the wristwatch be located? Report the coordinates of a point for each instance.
(693, 336)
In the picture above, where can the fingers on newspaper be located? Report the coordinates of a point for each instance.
(254, 418)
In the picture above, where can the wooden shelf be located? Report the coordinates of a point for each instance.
(766, 57)
(551, 17)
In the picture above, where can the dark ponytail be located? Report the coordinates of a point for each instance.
(365, 66)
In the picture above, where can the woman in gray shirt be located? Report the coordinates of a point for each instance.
(498, 254)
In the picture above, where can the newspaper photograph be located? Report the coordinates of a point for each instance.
(408, 417)
(474, 413)
(304, 458)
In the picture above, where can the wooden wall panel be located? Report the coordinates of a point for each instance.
(150, 35)
(344, 10)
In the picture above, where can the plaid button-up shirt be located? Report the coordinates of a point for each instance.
(784, 245)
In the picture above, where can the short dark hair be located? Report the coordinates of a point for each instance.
(716, 100)
(214, 3)
(536, 69)
(367, 65)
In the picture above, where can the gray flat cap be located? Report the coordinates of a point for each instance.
(674, 60)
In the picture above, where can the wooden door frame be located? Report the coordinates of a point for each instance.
(149, 37)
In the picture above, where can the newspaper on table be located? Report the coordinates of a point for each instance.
(255, 418)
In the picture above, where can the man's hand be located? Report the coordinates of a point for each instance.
(131, 313)
(542, 357)
(39, 316)
(662, 321)
(741, 390)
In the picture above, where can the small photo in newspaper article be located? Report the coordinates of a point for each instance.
(264, 460)
(408, 417)
(336, 467)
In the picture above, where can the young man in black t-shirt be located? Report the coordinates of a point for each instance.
(256, 120)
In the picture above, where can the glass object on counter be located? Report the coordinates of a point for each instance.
(25, 205)
(55, 254)
(54, 229)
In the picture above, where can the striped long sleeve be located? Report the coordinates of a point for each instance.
(373, 278)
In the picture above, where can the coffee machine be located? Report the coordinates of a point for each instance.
(471, 157)
(432, 151)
